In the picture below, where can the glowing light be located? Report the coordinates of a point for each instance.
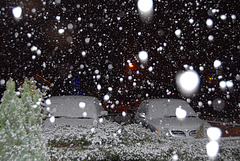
(17, 12)
(131, 65)
(188, 82)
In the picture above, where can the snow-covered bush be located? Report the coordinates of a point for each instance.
(21, 128)
(113, 141)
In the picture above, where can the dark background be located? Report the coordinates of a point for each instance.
(116, 25)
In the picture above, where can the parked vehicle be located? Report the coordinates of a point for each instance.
(160, 115)
(74, 110)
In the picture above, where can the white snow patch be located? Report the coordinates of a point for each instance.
(214, 133)
(84, 53)
(17, 12)
(209, 23)
(58, 18)
(87, 40)
(52, 119)
(48, 102)
(33, 57)
(150, 69)
(217, 64)
(99, 87)
(2, 82)
(191, 20)
(222, 84)
(29, 35)
(178, 33)
(110, 89)
(57, 1)
(33, 48)
(84, 114)
(223, 17)
(143, 56)
(209, 102)
(145, 6)
(234, 17)
(229, 84)
(106, 97)
(188, 82)
(181, 113)
(70, 26)
(210, 37)
(212, 149)
(130, 77)
(100, 120)
(106, 139)
(61, 31)
(201, 68)
(82, 105)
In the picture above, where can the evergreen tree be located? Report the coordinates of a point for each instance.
(21, 131)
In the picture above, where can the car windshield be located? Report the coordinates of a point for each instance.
(160, 108)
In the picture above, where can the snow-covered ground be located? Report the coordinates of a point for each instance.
(113, 141)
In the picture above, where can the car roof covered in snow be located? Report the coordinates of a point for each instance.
(75, 106)
(167, 107)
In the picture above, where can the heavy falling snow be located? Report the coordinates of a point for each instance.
(124, 52)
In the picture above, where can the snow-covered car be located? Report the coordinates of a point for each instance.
(174, 117)
(74, 110)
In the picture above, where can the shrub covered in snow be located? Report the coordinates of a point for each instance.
(113, 141)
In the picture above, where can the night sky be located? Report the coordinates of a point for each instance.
(100, 37)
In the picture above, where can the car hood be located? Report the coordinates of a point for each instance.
(175, 123)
